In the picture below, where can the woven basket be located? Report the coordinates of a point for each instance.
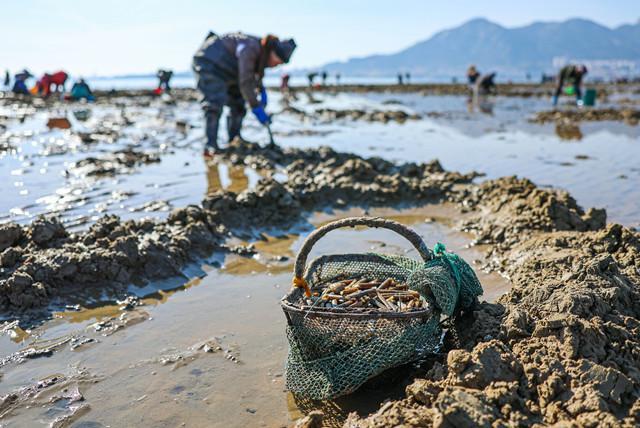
(332, 351)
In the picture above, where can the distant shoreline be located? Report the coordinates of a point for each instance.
(523, 90)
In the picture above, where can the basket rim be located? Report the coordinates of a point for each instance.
(343, 313)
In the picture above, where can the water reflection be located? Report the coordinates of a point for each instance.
(220, 176)
(482, 104)
(568, 131)
(103, 311)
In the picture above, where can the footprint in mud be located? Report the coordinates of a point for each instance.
(56, 399)
(211, 346)
(89, 424)
(196, 372)
(177, 389)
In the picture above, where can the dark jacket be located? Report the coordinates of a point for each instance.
(234, 57)
(570, 74)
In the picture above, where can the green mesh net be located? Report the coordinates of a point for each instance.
(332, 353)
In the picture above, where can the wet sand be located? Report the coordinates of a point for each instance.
(189, 351)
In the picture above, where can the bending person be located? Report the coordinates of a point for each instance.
(57, 79)
(80, 90)
(229, 71)
(571, 74)
(480, 84)
(20, 83)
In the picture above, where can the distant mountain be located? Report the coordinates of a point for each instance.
(508, 50)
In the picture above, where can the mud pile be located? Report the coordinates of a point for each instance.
(568, 131)
(384, 116)
(372, 181)
(300, 133)
(628, 101)
(329, 115)
(510, 206)
(114, 163)
(177, 94)
(43, 259)
(6, 146)
(627, 115)
(561, 346)
(100, 133)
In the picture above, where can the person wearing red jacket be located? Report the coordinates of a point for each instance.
(58, 79)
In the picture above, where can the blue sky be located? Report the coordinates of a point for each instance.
(95, 37)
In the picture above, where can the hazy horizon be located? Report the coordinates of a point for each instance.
(126, 38)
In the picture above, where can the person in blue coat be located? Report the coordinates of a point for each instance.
(80, 90)
(20, 83)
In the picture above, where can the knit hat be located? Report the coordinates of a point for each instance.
(284, 49)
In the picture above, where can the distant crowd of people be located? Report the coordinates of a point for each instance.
(54, 83)
(49, 83)
(229, 70)
(311, 77)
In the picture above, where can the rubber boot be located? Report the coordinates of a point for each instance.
(212, 119)
(234, 124)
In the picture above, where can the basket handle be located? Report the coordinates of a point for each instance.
(378, 222)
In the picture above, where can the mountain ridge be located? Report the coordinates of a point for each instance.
(528, 48)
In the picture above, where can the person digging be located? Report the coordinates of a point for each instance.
(229, 70)
(571, 75)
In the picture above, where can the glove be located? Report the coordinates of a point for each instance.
(263, 97)
(261, 115)
(555, 100)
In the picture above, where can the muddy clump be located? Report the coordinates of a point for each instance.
(509, 207)
(384, 116)
(568, 131)
(330, 115)
(324, 176)
(627, 101)
(295, 133)
(5, 146)
(10, 234)
(628, 115)
(49, 262)
(115, 163)
(99, 134)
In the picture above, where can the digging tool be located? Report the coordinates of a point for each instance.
(272, 144)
